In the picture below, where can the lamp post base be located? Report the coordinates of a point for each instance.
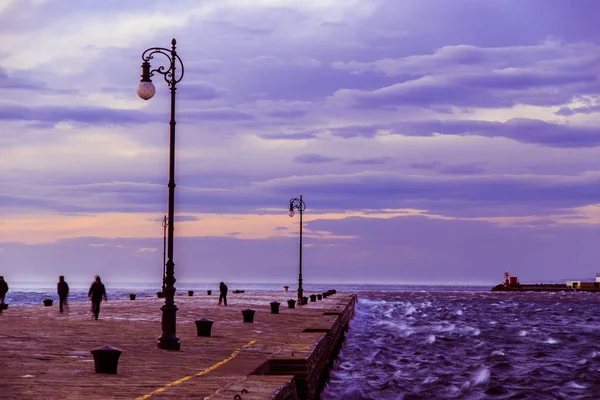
(172, 345)
(168, 340)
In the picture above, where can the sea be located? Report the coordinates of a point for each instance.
(409, 342)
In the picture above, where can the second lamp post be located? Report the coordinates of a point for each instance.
(298, 204)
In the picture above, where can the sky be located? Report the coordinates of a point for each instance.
(432, 141)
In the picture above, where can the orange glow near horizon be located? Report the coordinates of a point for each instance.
(49, 227)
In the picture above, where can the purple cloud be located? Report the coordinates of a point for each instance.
(568, 111)
(368, 161)
(290, 136)
(519, 129)
(215, 114)
(463, 169)
(85, 115)
(200, 91)
(311, 158)
(354, 131)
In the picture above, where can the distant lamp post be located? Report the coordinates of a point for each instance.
(165, 224)
(168, 340)
(298, 204)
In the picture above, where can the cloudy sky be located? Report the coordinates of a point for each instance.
(433, 141)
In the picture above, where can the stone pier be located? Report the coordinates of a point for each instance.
(285, 356)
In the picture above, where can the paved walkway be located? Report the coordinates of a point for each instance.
(46, 355)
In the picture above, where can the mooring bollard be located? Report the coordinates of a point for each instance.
(274, 307)
(248, 315)
(291, 303)
(325, 295)
(203, 327)
(160, 295)
(190, 292)
(319, 297)
(48, 302)
(305, 300)
(209, 292)
(106, 359)
(285, 288)
(132, 296)
(313, 297)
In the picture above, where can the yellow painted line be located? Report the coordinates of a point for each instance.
(203, 372)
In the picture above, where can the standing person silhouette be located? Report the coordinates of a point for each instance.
(96, 293)
(62, 288)
(3, 289)
(223, 293)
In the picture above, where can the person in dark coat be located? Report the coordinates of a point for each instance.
(3, 289)
(62, 288)
(223, 293)
(96, 293)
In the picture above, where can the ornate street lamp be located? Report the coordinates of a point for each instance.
(165, 224)
(298, 204)
(168, 340)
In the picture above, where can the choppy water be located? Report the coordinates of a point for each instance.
(470, 345)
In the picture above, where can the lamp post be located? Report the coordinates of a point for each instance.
(168, 340)
(165, 224)
(298, 204)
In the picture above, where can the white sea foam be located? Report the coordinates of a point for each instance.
(482, 376)
(575, 385)
(410, 309)
(431, 339)
(522, 333)
(551, 341)
(459, 312)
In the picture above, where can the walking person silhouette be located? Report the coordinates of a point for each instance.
(96, 293)
(223, 293)
(3, 289)
(62, 288)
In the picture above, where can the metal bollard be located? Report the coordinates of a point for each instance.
(106, 359)
(132, 296)
(190, 292)
(313, 297)
(48, 302)
(209, 292)
(203, 327)
(291, 303)
(274, 307)
(248, 315)
(319, 296)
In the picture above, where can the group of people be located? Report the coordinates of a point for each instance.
(96, 293)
